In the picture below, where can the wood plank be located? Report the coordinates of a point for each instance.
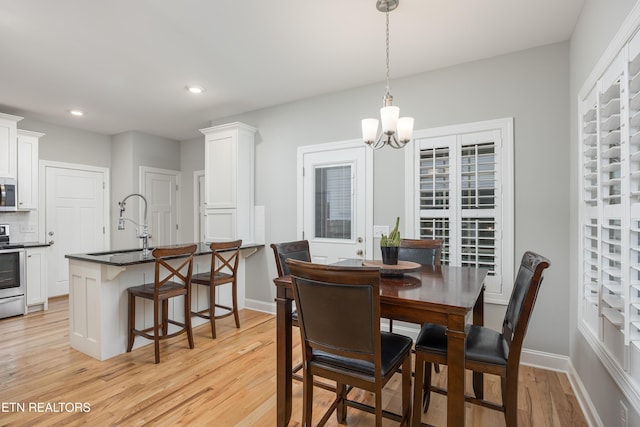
(228, 381)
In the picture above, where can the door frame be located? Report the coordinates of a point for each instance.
(42, 169)
(334, 146)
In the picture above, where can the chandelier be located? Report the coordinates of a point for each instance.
(396, 131)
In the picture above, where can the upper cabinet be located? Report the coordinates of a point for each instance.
(8, 146)
(229, 177)
(28, 169)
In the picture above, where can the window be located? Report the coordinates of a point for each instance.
(609, 184)
(460, 190)
(333, 202)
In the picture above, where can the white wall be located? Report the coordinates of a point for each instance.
(532, 86)
(598, 23)
(130, 150)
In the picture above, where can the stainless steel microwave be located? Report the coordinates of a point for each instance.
(8, 195)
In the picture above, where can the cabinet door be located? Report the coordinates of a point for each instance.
(220, 224)
(36, 277)
(221, 164)
(27, 171)
(8, 148)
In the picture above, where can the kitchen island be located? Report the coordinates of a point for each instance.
(98, 285)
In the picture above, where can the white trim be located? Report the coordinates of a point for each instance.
(330, 146)
(196, 208)
(619, 376)
(505, 126)
(43, 164)
(261, 306)
(626, 31)
(582, 396)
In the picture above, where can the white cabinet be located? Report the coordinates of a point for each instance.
(28, 169)
(36, 271)
(8, 145)
(229, 181)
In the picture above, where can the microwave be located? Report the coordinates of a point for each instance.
(8, 195)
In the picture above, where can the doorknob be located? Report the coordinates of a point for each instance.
(51, 233)
(51, 242)
(359, 252)
(359, 240)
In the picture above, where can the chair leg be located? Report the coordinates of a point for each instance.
(212, 310)
(156, 331)
(510, 399)
(378, 408)
(436, 367)
(341, 396)
(132, 321)
(406, 391)
(307, 398)
(426, 388)
(234, 293)
(418, 391)
(165, 317)
(187, 318)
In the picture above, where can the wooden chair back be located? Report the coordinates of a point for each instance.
(521, 303)
(225, 257)
(166, 273)
(338, 309)
(290, 250)
(422, 251)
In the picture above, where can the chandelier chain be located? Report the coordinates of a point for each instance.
(388, 88)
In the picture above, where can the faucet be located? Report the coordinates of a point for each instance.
(142, 231)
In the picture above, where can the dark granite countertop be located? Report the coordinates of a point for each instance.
(126, 257)
(25, 245)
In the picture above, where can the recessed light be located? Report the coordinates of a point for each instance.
(76, 112)
(195, 89)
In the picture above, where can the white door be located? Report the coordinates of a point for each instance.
(160, 188)
(74, 218)
(336, 201)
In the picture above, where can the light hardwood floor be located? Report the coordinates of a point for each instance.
(229, 381)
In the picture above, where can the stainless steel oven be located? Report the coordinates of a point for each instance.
(12, 276)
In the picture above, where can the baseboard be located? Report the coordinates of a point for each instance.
(257, 305)
(582, 395)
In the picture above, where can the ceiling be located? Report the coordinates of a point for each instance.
(126, 63)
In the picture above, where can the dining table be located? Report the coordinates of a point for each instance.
(442, 295)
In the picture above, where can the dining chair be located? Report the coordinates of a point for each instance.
(339, 319)
(487, 351)
(299, 250)
(170, 282)
(421, 251)
(225, 257)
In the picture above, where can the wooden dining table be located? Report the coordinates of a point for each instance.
(442, 295)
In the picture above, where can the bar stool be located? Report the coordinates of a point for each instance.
(224, 269)
(160, 291)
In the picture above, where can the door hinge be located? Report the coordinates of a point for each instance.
(103, 230)
(177, 187)
(303, 235)
(103, 185)
(176, 226)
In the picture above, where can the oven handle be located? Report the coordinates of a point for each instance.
(3, 194)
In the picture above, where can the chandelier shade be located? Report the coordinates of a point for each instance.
(396, 131)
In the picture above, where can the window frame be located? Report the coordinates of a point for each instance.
(505, 190)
